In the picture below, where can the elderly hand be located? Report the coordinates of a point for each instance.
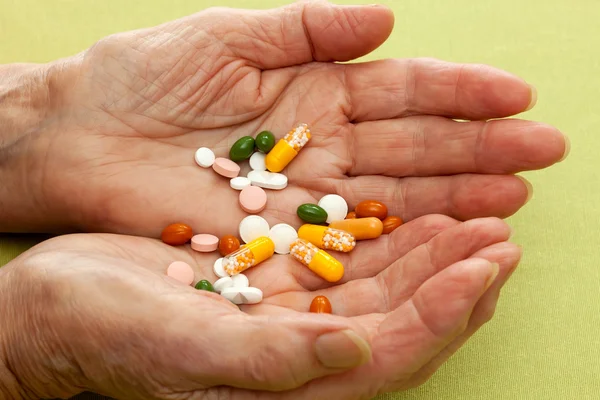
(114, 151)
(97, 312)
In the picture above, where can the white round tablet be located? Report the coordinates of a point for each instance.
(247, 295)
(240, 281)
(240, 183)
(336, 207)
(283, 235)
(222, 284)
(252, 227)
(218, 269)
(204, 157)
(257, 161)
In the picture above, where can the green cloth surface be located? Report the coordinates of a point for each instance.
(544, 342)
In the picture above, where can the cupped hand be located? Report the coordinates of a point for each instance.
(117, 152)
(101, 315)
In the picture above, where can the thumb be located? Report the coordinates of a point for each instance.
(282, 353)
(300, 32)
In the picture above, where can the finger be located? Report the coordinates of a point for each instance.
(426, 146)
(412, 334)
(436, 314)
(282, 352)
(507, 255)
(397, 88)
(366, 260)
(406, 275)
(398, 282)
(300, 32)
(463, 197)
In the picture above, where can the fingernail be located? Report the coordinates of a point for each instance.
(342, 349)
(567, 148)
(529, 188)
(492, 278)
(533, 98)
(512, 231)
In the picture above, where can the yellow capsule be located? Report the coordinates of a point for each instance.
(248, 256)
(287, 148)
(327, 238)
(317, 260)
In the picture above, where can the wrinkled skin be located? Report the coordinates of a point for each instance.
(102, 315)
(116, 153)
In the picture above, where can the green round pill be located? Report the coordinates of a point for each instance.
(205, 285)
(265, 141)
(242, 149)
(312, 213)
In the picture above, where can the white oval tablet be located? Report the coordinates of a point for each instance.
(247, 295)
(336, 207)
(223, 283)
(218, 269)
(268, 180)
(252, 227)
(283, 235)
(257, 161)
(240, 281)
(240, 183)
(204, 157)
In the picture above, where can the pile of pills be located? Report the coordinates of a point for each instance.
(328, 224)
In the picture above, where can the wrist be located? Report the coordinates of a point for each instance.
(10, 387)
(30, 104)
(32, 362)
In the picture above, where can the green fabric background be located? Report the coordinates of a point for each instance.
(544, 341)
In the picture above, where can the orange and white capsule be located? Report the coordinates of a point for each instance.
(287, 148)
(317, 260)
(327, 238)
(249, 255)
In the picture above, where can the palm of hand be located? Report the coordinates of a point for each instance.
(157, 113)
(416, 295)
(142, 103)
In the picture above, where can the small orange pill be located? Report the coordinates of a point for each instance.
(320, 305)
(351, 215)
(177, 234)
(371, 208)
(360, 228)
(228, 244)
(391, 223)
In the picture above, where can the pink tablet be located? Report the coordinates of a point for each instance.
(253, 199)
(205, 243)
(226, 167)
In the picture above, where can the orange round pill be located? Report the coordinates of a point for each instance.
(228, 244)
(371, 208)
(177, 234)
(351, 215)
(320, 305)
(391, 223)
